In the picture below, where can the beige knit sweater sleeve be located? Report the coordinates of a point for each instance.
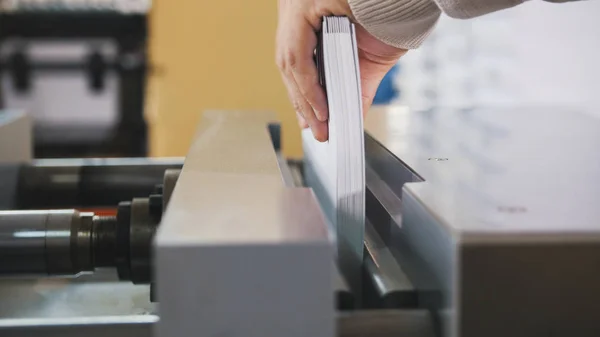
(406, 23)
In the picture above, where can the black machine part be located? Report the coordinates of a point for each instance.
(74, 183)
(68, 242)
(53, 242)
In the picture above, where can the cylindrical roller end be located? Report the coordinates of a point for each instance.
(22, 242)
(53, 242)
(104, 241)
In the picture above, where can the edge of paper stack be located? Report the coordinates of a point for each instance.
(336, 169)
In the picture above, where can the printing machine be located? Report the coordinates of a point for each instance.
(481, 222)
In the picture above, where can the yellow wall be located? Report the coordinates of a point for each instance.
(212, 54)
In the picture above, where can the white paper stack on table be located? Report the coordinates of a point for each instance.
(336, 169)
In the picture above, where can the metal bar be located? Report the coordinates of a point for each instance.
(343, 294)
(98, 296)
(296, 167)
(375, 323)
(230, 208)
(67, 183)
(54, 242)
(388, 200)
(106, 162)
(386, 323)
(126, 326)
(9, 179)
(23, 243)
(393, 287)
(286, 173)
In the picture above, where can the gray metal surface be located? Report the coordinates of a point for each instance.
(23, 243)
(476, 159)
(15, 137)
(392, 286)
(385, 323)
(291, 175)
(292, 178)
(296, 168)
(373, 323)
(343, 294)
(503, 234)
(169, 182)
(286, 173)
(90, 305)
(128, 326)
(231, 214)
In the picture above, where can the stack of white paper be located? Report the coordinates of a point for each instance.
(336, 169)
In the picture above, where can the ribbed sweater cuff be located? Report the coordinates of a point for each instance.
(399, 23)
(466, 9)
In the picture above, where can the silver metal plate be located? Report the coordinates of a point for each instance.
(15, 137)
(510, 173)
(499, 215)
(238, 252)
(87, 296)
(90, 305)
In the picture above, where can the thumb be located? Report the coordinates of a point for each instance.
(371, 75)
(375, 60)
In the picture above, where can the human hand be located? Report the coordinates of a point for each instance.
(299, 21)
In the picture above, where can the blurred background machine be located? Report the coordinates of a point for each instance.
(508, 58)
(79, 69)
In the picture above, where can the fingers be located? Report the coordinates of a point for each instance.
(318, 128)
(306, 75)
(296, 43)
(301, 121)
(371, 75)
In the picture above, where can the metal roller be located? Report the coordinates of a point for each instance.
(66, 183)
(23, 242)
(69, 242)
(53, 242)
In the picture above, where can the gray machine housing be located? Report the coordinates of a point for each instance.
(493, 214)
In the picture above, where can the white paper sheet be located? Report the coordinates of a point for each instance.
(336, 168)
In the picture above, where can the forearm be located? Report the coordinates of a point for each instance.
(399, 23)
(406, 23)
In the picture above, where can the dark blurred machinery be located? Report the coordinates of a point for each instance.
(68, 242)
(99, 183)
(471, 231)
(89, 25)
(70, 217)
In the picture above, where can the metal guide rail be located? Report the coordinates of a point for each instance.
(490, 212)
